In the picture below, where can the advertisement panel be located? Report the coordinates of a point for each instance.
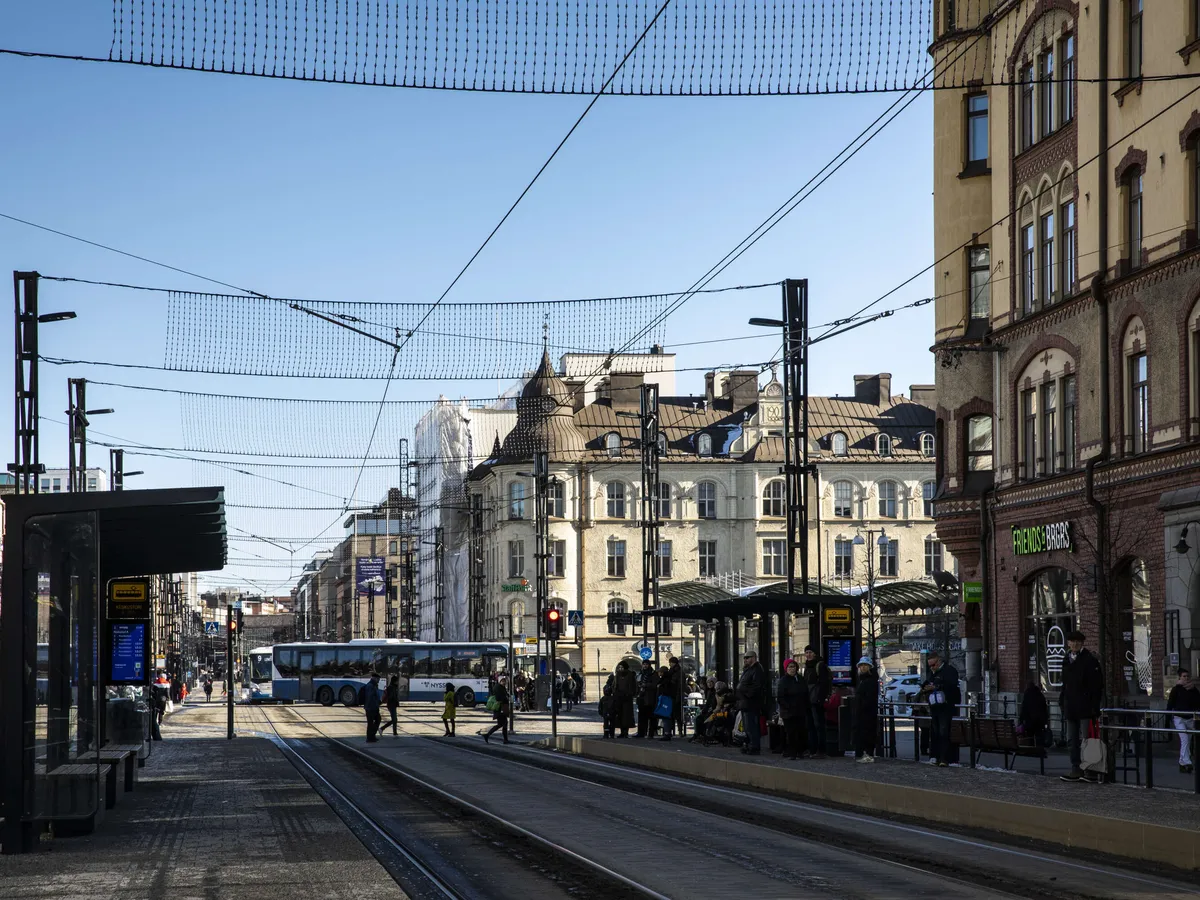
(368, 573)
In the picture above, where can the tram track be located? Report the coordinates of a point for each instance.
(955, 872)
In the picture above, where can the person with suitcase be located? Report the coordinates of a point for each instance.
(1080, 699)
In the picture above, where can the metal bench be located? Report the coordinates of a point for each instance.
(1000, 736)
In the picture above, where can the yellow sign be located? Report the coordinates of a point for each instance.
(129, 590)
(532, 642)
(129, 599)
(838, 617)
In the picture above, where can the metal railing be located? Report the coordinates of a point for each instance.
(1133, 733)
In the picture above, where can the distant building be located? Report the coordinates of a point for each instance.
(55, 481)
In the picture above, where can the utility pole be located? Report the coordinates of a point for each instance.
(116, 469)
(77, 434)
(541, 476)
(229, 668)
(650, 511)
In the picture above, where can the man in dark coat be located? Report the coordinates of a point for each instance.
(675, 690)
(647, 697)
(866, 711)
(791, 695)
(624, 690)
(751, 690)
(819, 683)
(941, 686)
(371, 706)
(1081, 697)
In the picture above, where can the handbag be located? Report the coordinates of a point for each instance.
(1093, 752)
(937, 698)
(664, 707)
(739, 725)
(493, 705)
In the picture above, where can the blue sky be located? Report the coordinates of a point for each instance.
(345, 192)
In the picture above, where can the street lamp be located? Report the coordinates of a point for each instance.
(883, 541)
(1182, 547)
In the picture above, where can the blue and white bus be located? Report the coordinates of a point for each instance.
(260, 675)
(327, 672)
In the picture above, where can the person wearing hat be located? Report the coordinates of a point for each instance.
(792, 696)
(751, 688)
(1081, 697)
(866, 712)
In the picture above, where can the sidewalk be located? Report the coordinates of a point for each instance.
(209, 818)
(1155, 826)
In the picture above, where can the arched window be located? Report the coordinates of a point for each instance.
(1133, 594)
(615, 493)
(979, 444)
(664, 500)
(704, 445)
(887, 499)
(516, 500)
(773, 500)
(1137, 387)
(617, 608)
(838, 444)
(843, 499)
(612, 444)
(706, 500)
(1193, 358)
(927, 447)
(927, 492)
(883, 444)
(662, 444)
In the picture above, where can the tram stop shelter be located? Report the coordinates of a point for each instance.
(66, 648)
(835, 617)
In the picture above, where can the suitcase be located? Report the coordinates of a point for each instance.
(775, 736)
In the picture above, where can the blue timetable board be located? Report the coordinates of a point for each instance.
(839, 653)
(128, 653)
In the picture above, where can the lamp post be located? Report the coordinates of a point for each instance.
(77, 424)
(1183, 547)
(883, 542)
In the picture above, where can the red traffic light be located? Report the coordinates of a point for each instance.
(553, 615)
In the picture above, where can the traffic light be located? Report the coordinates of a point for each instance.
(239, 620)
(553, 619)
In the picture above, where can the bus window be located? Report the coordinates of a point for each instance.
(260, 665)
(443, 663)
(494, 661)
(468, 663)
(285, 662)
(324, 663)
(350, 663)
(399, 663)
(420, 664)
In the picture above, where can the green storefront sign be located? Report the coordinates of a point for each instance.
(519, 587)
(972, 592)
(1042, 538)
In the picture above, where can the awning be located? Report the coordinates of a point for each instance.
(701, 601)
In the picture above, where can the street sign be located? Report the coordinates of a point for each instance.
(972, 591)
(212, 628)
(574, 616)
(646, 653)
(531, 641)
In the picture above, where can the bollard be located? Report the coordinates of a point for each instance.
(1148, 741)
(892, 729)
(971, 727)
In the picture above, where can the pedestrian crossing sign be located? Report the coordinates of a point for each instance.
(212, 627)
(575, 617)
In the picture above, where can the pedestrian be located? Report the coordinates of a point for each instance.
(750, 692)
(578, 679)
(1080, 699)
(666, 692)
(207, 688)
(624, 690)
(391, 697)
(647, 698)
(449, 710)
(608, 708)
(502, 712)
(791, 695)
(678, 691)
(707, 708)
(183, 691)
(819, 683)
(371, 707)
(1033, 719)
(866, 712)
(942, 691)
(1184, 702)
(160, 693)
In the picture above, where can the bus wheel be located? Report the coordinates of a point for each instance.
(325, 696)
(465, 697)
(348, 696)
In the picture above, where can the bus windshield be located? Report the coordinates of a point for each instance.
(260, 667)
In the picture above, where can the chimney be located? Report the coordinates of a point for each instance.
(873, 389)
(625, 390)
(924, 394)
(709, 381)
(742, 387)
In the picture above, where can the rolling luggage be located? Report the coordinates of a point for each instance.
(775, 736)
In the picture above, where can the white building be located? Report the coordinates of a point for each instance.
(55, 481)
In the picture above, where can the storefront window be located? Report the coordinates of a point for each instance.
(1134, 595)
(1051, 617)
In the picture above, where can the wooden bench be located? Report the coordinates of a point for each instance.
(116, 754)
(74, 787)
(1000, 736)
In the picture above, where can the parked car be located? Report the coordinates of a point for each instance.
(901, 690)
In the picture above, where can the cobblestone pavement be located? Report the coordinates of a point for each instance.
(210, 818)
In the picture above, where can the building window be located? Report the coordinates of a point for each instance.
(887, 499)
(1139, 403)
(1069, 407)
(616, 559)
(951, 16)
(772, 557)
(977, 132)
(843, 498)
(615, 491)
(1028, 277)
(979, 444)
(1027, 122)
(708, 558)
(927, 491)
(772, 501)
(933, 555)
(1070, 249)
(664, 500)
(1050, 601)
(612, 443)
(704, 445)
(663, 559)
(839, 444)
(662, 444)
(391, 548)
(557, 561)
(45, 484)
(91, 484)
(617, 608)
(516, 559)
(57, 482)
(843, 558)
(1047, 261)
(516, 500)
(889, 558)
(1049, 430)
(555, 499)
(1133, 36)
(1029, 432)
(980, 263)
(884, 445)
(927, 446)
(1046, 90)
(1066, 102)
(706, 500)
(1133, 222)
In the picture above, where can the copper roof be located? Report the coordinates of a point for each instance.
(861, 422)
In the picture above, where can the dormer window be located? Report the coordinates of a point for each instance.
(927, 445)
(612, 444)
(704, 445)
(662, 444)
(883, 445)
(839, 444)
